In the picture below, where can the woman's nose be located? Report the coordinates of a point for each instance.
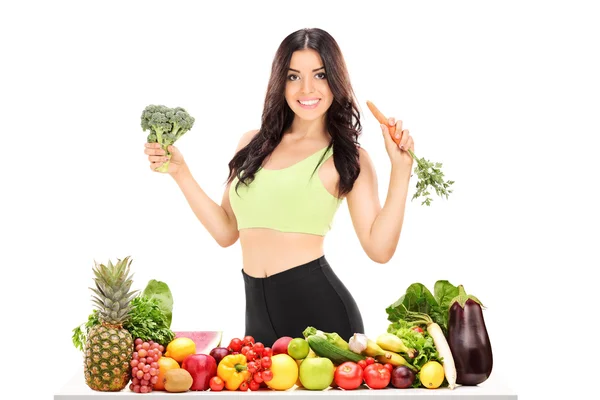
(307, 86)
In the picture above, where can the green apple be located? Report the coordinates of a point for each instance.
(316, 373)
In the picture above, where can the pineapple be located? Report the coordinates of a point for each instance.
(109, 347)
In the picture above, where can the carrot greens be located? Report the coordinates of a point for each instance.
(430, 178)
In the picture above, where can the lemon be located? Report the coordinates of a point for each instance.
(285, 372)
(180, 348)
(432, 374)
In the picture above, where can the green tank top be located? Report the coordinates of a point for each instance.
(291, 199)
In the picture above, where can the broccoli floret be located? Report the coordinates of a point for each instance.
(166, 125)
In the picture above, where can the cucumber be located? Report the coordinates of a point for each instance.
(323, 348)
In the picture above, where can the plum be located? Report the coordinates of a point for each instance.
(402, 377)
(218, 353)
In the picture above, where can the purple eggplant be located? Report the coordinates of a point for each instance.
(468, 340)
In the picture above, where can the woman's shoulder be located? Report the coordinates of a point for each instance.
(363, 154)
(246, 138)
(365, 161)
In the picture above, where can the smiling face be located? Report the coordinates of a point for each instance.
(307, 90)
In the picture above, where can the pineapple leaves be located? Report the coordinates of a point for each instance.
(147, 316)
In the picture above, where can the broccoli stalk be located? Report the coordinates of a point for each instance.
(166, 125)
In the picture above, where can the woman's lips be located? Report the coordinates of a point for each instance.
(309, 104)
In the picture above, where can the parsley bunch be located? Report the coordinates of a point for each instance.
(148, 321)
(430, 177)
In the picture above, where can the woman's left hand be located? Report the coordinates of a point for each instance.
(398, 153)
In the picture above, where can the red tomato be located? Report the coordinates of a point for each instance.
(417, 329)
(243, 386)
(258, 348)
(257, 377)
(245, 349)
(265, 362)
(252, 367)
(267, 375)
(235, 344)
(348, 375)
(362, 364)
(254, 386)
(370, 360)
(250, 355)
(377, 376)
(267, 352)
(248, 341)
(216, 384)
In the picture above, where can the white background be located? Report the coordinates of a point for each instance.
(504, 94)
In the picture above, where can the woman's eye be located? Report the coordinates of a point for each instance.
(293, 77)
(321, 75)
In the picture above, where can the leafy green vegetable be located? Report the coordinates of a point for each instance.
(444, 292)
(419, 299)
(430, 175)
(148, 321)
(79, 336)
(422, 342)
(160, 291)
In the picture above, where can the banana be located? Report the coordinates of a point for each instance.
(395, 359)
(391, 342)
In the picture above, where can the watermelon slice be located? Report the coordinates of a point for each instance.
(205, 340)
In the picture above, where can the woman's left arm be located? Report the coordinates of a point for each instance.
(378, 229)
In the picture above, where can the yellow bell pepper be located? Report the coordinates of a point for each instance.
(233, 371)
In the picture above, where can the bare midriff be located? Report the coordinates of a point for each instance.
(267, 251)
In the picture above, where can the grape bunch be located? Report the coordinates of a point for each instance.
(258, 361)
(144, 365)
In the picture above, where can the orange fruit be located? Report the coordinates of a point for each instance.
(285, 372)
(298, 383)
(180, 348)
(164, 364)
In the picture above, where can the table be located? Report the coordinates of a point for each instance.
(494, 388)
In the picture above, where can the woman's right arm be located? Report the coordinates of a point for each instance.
(219, 220)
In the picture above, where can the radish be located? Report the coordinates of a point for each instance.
(441, 344)
(443, 349)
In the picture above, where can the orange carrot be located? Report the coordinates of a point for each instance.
(383, 120)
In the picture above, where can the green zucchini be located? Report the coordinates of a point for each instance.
(323, 348)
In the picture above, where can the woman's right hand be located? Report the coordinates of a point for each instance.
(157, 157)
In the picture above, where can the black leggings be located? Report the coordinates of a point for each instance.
(286, 303)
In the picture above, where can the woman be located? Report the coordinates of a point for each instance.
(287, 180)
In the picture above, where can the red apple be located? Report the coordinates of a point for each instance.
(202, 367)
(281, 345)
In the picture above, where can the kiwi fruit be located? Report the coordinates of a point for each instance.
(178, 380)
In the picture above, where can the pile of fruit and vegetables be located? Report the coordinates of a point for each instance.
(433, 341)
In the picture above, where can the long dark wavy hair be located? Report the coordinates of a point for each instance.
(342, 118)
